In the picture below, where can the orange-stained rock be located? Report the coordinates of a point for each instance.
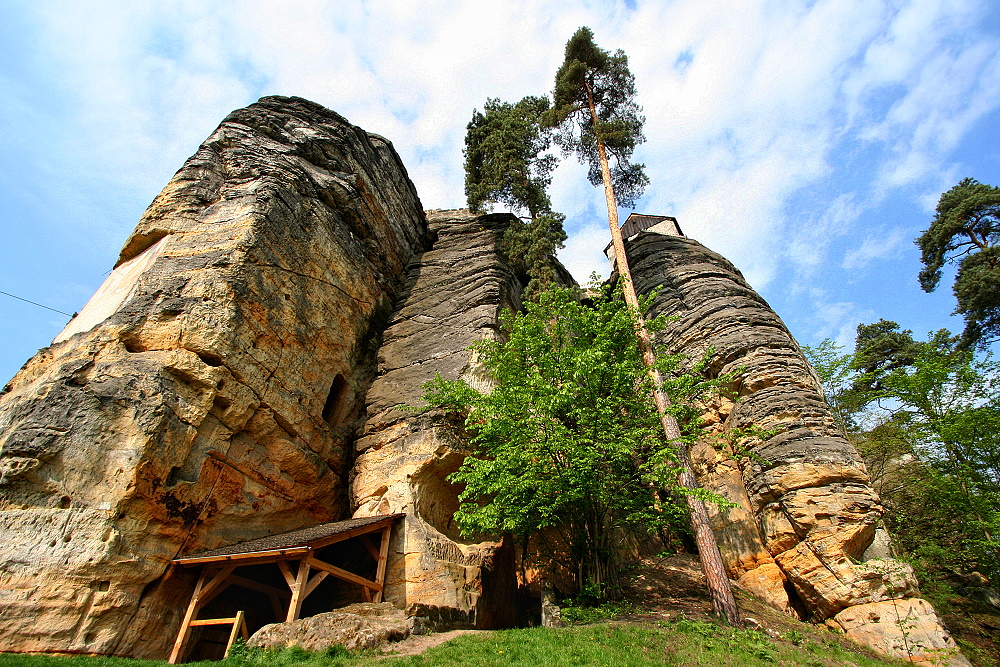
(767, 583)
(829, 581)
(189, 404)
(907, 629)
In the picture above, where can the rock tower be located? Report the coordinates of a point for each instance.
(249, 369)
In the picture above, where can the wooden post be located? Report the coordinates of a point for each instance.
(239, 625)
(383, 557)
(298, 591)
(185, 631)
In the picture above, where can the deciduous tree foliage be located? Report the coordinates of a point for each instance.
(966, 231)
(926, 417)
(567, 447)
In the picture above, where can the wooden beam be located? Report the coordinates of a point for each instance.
(298, 590)
(213, 621)
(218, 584)
(279, 612)
(185, 631)
(355, 532)
(291, 552)
(286, 573)
(368, 545)
(341, 573)
(383, 558)
(314, 582)
(257, 586)
(239, 625)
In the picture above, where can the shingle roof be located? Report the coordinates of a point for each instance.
(303, 537)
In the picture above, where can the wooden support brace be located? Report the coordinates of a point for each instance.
(341, 573)
(279, 611)
(298, 590)
(239, 625)
(237, 580)
(371, 547)
(314, 582)
(219, 583)
(383, 558)
(286, 573)
(185, 630)
(213, 621)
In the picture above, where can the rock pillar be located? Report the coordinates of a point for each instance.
(454, 295)
(805, 511)
(205, 395)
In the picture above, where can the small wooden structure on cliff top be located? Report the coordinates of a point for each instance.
(283, 550)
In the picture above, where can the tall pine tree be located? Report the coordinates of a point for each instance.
(966, 231)
(506, 162)
(595, 116)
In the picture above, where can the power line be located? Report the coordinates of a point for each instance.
(35, 303)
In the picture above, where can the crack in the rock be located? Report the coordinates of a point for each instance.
(316, 278)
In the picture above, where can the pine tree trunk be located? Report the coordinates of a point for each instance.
(723, 602)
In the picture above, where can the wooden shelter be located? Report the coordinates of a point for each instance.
(294, 554)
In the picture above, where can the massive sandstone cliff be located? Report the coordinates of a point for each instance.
(204, 396)
(800, 535)
(249, 368)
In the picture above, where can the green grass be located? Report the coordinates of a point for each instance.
(681, 642)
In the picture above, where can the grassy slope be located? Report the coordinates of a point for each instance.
(615, 644)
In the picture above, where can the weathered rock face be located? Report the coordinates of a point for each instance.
(454, 296)
(356, 627)
(906, 628)
(805, 512)
(249, 367)
(205, 394)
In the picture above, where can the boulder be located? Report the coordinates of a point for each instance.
(906, 629)
(359, 626)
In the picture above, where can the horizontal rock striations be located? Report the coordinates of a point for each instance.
(805, 513)
(455, 293)
(206, 393)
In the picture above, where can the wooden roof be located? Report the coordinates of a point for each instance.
(292, 543)
(638, 222)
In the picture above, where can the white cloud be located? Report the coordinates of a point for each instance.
(879, 246)
(749, 105)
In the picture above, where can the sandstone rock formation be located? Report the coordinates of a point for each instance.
(805, 513)
(255, 364)
(204, 396)
(454, 296)
(359, 626)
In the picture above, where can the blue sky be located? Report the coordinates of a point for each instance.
(808, 141)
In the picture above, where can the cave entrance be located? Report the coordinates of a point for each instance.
(280, 578)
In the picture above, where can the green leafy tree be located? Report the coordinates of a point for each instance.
(595, 115)
(966, 231)
(567, 448)
(930, 412)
